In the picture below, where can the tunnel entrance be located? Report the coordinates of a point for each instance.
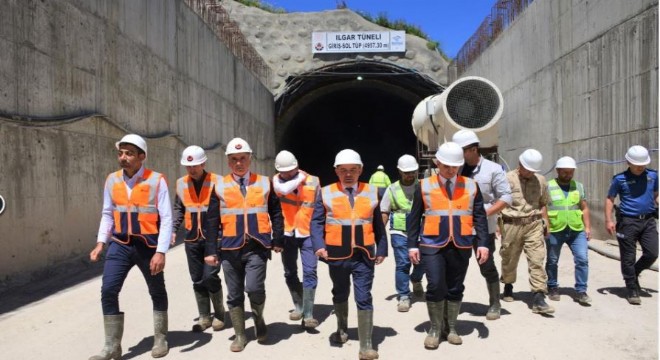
(363, 105)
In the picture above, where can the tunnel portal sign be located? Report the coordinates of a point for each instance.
(358, 41)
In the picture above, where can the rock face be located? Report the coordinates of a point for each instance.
(284, 42)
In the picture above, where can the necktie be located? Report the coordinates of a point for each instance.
(243, 189)
(351, 199)
(448, 188)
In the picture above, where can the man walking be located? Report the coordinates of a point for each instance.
(348, 233)
(252, 225)
(137, 219)
(496, 192)
(637, 189)
(523, 229)
(297, 192)
(395, 207)
(196, 208)
(447, 214)
(570, 224)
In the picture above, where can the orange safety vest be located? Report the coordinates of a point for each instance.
(135, 216)
(195, 206)
(347, 228)
(448, 219)
(243, 217)
(297, 207)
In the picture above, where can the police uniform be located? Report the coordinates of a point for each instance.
(636, 221)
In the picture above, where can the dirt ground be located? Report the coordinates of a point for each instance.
(68, 324)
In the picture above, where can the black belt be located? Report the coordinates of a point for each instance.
(640, 217)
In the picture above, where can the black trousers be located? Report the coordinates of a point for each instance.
(488, 269)
(203, 276)
(629, 231)
(445, 272)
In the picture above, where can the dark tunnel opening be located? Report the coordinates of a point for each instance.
(362, 105)
(367, 119)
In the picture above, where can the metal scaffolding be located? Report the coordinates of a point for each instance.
(228, 31)
(502, 14)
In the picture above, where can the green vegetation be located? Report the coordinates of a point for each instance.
(381, 20)
(263, 6)
(411, 29)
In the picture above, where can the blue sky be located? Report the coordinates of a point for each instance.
(450, 22)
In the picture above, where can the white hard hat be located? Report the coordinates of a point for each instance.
(407, 163)
(133, 139)
(238, 145)
(193, 155)
(566, 162)
(638, 155)
(450, 154)
(531, 160)
(348, 156)
(285, 161)
(465, 138)
(380, 167)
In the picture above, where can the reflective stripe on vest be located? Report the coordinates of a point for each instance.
(565, 210)
(243, 217)
(297, 208)
(447, 219)
(345, 227)
(135, 216)
(195, 206)
(401, 207)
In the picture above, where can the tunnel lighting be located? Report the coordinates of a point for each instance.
(359, 78)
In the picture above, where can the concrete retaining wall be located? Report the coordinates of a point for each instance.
(579, 78)
(149, 67)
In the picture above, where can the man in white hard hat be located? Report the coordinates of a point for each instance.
(137, 221)
(251, 226)
(523, 229)
(447, 214)
(196, 208)
(496, 192)
(348, 233)
(380, 179)
(636, 218)
(395, 207)
(570, 224)
(297, 191)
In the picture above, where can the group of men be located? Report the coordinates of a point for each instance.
(235, 222)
